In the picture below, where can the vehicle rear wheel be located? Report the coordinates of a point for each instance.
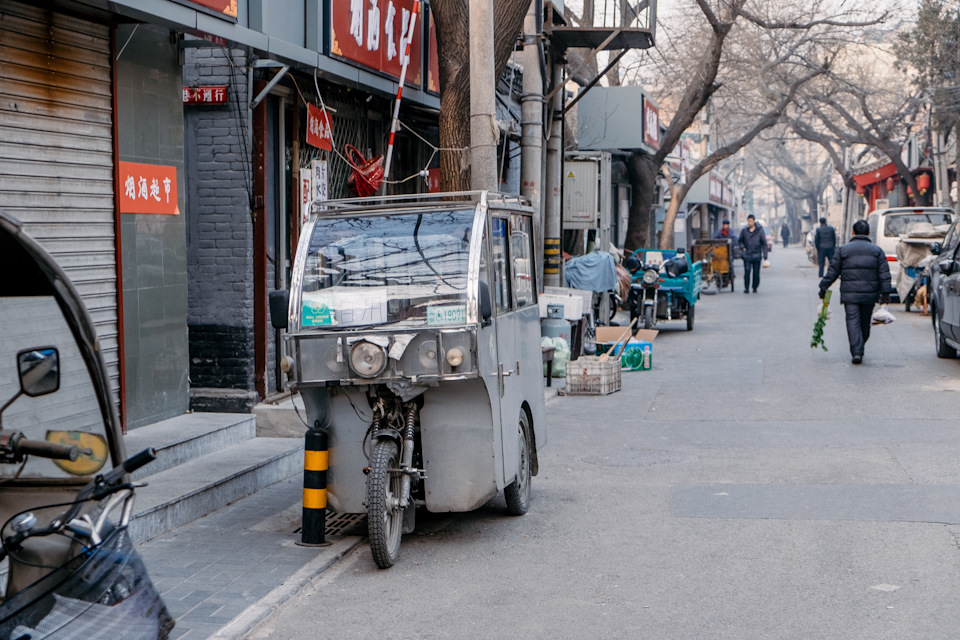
(648, 318)
(517, 494)
(384, 515)
(943, 349)
(690, 311)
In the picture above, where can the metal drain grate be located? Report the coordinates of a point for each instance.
(343, 524)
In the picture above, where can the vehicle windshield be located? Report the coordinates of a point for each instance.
(70, 414)
(408, 269)
(896, 224)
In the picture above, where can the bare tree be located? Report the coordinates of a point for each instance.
(783, 46)
(453, 45)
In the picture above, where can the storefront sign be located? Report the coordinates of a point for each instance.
(226, 8)
(148, 188)
(433, 181)
(320, 181)
(205, 95)
(433, 59)
(372, 32)
(716, 189)
(651, 123)
(319, 128)
(306, 191)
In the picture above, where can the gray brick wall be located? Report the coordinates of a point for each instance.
(219, 228)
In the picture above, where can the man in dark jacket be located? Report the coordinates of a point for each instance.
(753, 250)
(825, 241)
(864, 279)
(785, 234)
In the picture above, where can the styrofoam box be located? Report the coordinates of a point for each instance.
(573, 302)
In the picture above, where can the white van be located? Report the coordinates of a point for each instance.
(886, 226)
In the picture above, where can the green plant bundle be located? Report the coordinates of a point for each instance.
(817, 339)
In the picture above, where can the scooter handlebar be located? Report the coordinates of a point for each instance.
(130, 465)
(44, 449)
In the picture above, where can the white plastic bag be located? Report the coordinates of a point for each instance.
(882, 316)
(765, 263)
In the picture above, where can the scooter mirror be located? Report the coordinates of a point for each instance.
(39, 371)
(935, 248)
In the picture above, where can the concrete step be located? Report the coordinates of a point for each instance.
(188, 437)
(197, 487)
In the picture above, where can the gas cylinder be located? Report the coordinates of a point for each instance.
(554, 326)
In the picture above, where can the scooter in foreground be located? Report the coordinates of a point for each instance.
(72, 572)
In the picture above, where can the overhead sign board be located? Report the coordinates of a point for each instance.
(371, 33)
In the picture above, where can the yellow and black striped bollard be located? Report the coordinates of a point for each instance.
(315, 461)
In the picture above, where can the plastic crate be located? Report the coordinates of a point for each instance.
(588, 376)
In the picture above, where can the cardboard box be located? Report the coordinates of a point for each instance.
(610, 334)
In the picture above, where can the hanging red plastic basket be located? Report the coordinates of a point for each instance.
(367, 175)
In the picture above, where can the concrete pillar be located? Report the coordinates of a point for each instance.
(483, 86)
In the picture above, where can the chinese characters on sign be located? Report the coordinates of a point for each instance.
(372, 32)
(651, 123)
(205, 95)
(148, 188)
(319, 129)
(433, 181)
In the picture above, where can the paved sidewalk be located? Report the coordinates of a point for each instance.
(223, 567)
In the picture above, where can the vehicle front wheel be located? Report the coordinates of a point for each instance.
(384, 515)
(648, 318)
(517, 494)
(943, 349)
(690, 311)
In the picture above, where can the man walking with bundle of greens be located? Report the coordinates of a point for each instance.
(864, 279)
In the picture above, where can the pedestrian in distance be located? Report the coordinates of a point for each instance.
(785, 234)
(753, 250)
(724, 231)
(825, 242)
(864, 279)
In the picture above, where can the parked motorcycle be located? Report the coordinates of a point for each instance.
(665, 286)
(71, 568)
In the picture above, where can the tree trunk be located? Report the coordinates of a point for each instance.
(453, 33)
(642, 170)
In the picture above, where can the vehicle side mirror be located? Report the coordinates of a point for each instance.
(935, 248)
(947, 267)
(279, 304)
(486, 308)
(39, 370)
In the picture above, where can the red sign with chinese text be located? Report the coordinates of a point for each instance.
(651, 123)
(433, 180)
(373, 33)
(148, 188)
(433, 59)
(319, 128)
(205, 95)
(226, 7)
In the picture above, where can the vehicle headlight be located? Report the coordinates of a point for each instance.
(650, 276)
(367, 359)
(455, 357)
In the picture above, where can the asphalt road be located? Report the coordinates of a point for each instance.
(746, 487)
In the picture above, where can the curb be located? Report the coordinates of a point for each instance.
(262, 610)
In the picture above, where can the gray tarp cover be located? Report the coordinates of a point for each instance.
(595, 271)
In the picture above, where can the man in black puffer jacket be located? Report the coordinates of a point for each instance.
(864, 279)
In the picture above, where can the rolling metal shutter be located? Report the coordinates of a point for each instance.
(56, 151)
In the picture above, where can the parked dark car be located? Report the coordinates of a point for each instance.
(945, 293)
